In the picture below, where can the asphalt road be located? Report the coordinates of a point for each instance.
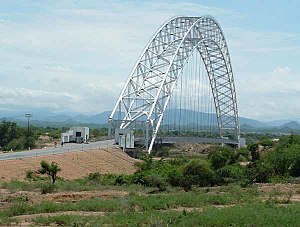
(69, 147)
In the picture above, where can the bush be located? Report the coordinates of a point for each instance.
(94, 176)
(263, 171)
(121, 179)
(162, 152)
(232, 173)
(104, 179)
(295, 168)
(175, 177)
(47, 188)
(156, 181)
(243, 154)
(253, 148)
(221, 156)
(198, 172)
(285, 161)
(30, 175)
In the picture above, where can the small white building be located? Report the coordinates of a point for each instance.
(76, 134)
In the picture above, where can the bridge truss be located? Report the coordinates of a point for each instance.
(149, 88)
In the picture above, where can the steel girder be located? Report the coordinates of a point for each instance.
(149, 87)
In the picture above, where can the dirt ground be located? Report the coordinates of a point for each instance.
(287, 191)
(73, 165)
(192, 149)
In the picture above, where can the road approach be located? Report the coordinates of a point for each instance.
(68, 147)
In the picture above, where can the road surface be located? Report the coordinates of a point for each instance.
(69, 147)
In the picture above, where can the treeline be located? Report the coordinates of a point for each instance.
(14, 137)
(262, 162)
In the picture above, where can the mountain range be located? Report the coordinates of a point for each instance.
(53, 119)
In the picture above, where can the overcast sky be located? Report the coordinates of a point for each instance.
(76, 55)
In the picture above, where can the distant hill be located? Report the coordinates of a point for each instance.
(277, 123)
(57, 118)
(66, 119)
(253, 123)
(291, 125)
(100, 118)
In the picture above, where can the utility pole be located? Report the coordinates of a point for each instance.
(28, 115)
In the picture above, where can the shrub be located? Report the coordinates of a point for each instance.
(263, 171)
(156, 181)
(220, 157)
(146, 164)
(162, 152)
(232, 173)
(105, 179)
(253, 148)
(175, 177)
(138, 178)
(47, 188)
(94, 176)
(30, 175)
(198, 172)
(285, 160)
(121, 179)
(295, 168)
(243, 154)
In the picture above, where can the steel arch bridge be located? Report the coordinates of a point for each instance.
(148, 90)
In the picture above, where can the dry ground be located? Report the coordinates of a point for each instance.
(281, 192)
(73, 165)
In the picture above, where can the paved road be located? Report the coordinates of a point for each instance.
(70, 147)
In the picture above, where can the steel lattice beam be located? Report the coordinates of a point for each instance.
(148, 89)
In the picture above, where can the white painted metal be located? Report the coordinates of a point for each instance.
(149, 87)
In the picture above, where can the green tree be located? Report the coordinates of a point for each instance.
(286, 161)
(98, 132)
(50, 169)
(8, 132)
(266, 142)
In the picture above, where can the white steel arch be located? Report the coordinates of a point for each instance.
(149, 87)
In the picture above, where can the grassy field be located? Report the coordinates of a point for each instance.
(258, 205)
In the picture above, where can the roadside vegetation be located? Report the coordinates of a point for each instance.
(15, 138)
(226, 187)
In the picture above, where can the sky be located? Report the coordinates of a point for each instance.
(75, 55)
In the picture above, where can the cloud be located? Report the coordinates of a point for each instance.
(23, 98)
(281, 71)
(55, 80)
(270, 95)
(27, 67)
(3, 21)
(58, 68)
(262, 42)
(81, 54)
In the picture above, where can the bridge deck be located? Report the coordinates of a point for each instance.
(180, 139)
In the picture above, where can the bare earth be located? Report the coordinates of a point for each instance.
(73, 165)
